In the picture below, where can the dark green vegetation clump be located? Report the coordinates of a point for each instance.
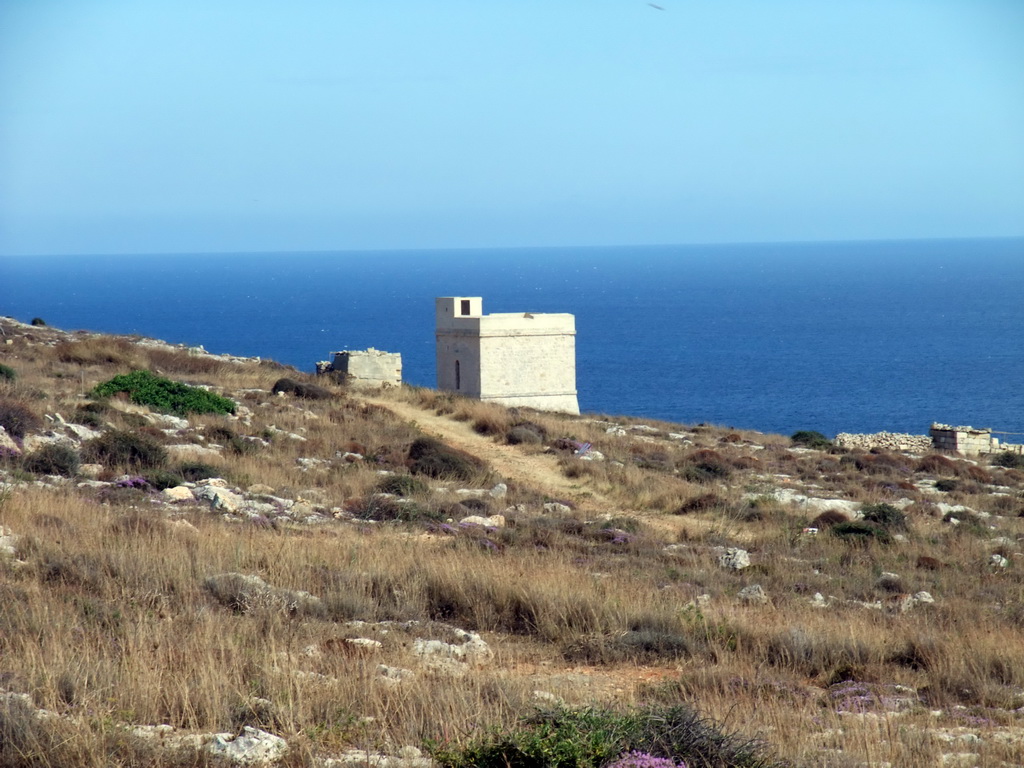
(810, 439)
(1009, 460)
(885, 515)
(300, 389)
(860, 532)
(52, 459)
(402, 485)
(39, 322)
(435, 459)
(129, 449)
(146, 388)
(7, 373)
(17, 419)
(591, 738)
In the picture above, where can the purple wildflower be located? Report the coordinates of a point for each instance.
(637, 759)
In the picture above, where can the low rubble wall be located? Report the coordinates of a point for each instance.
(892, 441)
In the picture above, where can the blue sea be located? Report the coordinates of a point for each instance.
(850, 336)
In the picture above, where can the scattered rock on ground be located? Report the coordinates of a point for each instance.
(734, 559)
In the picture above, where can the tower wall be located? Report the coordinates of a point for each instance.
(512, 358)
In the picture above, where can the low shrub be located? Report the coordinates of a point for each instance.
(810, 439)
(17, 419)
(829, 518)
(300, 389)
(96, 351)
(146, 388)
(702, 503)
(433, 458)
(490, 424)
(402, 485)
(38, 321)
(161, 479)
(641, 646)
(526, 432)
(946, 485)
(1009, 460)
(860, 532)
(7, 373)
(664, 736)
(377, 507)
(936, 464)
(194, 471)
(52, 459)
(237, 444)
(126, 449)
(88, 418)
(885, 515)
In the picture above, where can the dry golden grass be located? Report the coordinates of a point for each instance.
(104, 617)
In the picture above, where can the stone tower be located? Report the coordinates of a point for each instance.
(513, 358)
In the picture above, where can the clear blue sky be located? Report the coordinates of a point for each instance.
(141, 126)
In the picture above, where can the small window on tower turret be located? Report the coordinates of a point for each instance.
(465, 307)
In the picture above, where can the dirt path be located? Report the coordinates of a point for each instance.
(539, 471)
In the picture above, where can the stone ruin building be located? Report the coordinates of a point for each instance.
(370, 367)
(969, 441)
(942, 437)
(516, 358)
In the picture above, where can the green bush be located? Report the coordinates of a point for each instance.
(1009, 460)
(885, 515)
(7, 373)
(402, 485)
(946, 485)
(435, 459)
(38, 321)
(52, 459)
(810, 439)
(300, 389)
(860, 532)
(126, 448)
(17, 419)
(146, 388)
(194, 471)
(591, 738)
(236, 443)
(161, 479)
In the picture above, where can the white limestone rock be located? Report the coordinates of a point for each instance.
(7, 442)
(8, 542)
(555, 508)
(393, 676)
(734, 559)
(251, 747)
(494, 521)
(753, 595)
(90, 471)
(82, 432)
(176, 494)
(193, 451)
(219, 499)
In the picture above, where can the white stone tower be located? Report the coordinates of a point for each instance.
(513, 358)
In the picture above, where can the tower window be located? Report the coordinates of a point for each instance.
(465, 306)
(458, 376)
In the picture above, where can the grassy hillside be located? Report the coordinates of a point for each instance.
(400, 576)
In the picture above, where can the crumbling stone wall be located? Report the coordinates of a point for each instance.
(365, 366)
(891, 441)
(966, 440)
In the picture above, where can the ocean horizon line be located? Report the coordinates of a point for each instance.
(581, 247)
